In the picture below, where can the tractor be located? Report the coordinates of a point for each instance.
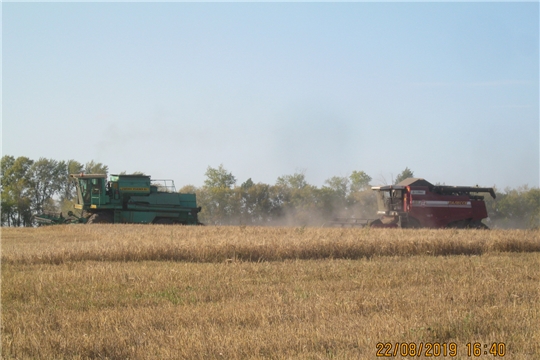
(134, 199)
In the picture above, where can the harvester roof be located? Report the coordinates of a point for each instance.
(415, 182)
(90, 176)
(402, 184)
(442, 189)
(131, 175)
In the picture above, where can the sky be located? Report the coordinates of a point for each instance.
(449, 90)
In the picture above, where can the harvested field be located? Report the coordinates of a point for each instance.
(59, 244)
(169, 292)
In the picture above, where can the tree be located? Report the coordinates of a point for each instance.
(217, 197)
(247, 184)
(517, 208)
(332, 197)
(30, 187)
(405, 174)
(295, 181)
(93, 167)
(47, 178)
(339, 185)
(359, 181)
(8, 204)
(219, 178)
(294, 200)
(363, 204)
(16, 187)
(532, 199)
(255, 203)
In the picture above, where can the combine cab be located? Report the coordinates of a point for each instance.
(416, 203)
(133, 199)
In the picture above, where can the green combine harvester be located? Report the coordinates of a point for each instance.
(131, 199)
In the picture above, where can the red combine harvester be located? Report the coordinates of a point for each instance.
(416, 203)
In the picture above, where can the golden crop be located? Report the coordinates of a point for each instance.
(60, 244)
(173, 292)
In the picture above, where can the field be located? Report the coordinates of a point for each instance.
(173, 292)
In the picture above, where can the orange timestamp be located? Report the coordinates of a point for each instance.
(436, 349)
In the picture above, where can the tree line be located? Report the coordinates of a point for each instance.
(31, 187)
(290, 201)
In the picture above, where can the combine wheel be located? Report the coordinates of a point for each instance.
(168, 221)
(461, 224)
(478, 225)
(413, 223)
(375, 223)
(163, 221)
(100, 218)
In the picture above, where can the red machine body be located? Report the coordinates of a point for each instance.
(415, 203)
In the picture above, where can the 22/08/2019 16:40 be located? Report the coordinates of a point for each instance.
(435, 349)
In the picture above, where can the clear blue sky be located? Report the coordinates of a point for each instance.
(450, 90)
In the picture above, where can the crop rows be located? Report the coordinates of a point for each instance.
(56, 245)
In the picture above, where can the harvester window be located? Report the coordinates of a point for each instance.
(96, 186)
(85, 191)
(385, 201)
(397, 200)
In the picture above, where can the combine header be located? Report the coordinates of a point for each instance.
(416, 203)
(128, 199)
(51, 218)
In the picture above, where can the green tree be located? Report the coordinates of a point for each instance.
(247, 184)
(93, 167)
(517, 208)
(295, 181)
(47, 178)
(219, 178)
(405, 174)
(532, 198)
(16, 191)
(29, 187)
(338, 185)
(255, 203)
(217, 198)
(359, 181)
(7, 203)
(332, 198)
(363, 204)
(295, 201)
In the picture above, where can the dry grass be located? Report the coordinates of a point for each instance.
(114, 292)
(59, 244)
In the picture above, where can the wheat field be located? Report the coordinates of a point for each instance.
(177, 292)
